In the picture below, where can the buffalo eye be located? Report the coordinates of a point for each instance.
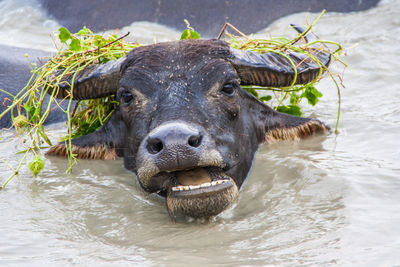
(228, 89)
(126, 97)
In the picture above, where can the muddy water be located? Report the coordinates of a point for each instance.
(320, 202)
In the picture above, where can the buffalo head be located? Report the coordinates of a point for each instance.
(184, 125)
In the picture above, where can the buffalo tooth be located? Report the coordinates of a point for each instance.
(206, 185)
(177, 188)
(191, 187)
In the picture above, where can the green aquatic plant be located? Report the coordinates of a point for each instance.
(28, 110)
(77, 51)
(189, 33)
(288, 99)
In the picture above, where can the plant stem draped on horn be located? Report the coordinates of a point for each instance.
(94, 81)
(275, 69)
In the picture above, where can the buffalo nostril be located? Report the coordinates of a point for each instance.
(195, 140)
(154, 145)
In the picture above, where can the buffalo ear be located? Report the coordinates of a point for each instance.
(272, 126)
(280, 126)
(105, 143)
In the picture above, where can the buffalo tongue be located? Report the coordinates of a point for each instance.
(193, 177)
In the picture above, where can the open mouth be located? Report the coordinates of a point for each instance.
(205, 186)
(191, 182)
(195, 192)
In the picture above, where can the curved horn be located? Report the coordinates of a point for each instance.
(94, 81)
(275, 70)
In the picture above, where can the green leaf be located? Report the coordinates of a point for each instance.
(290, 109)
(28, 108)
(35, 114)
(99, 40)
(75, 45)
(64, 35)
(32, 111)
(84, 31)
(294, 99)
(265, 98)
(36, 165)
(312, 95)
(103, 60)
(253, 92)
(190, 34)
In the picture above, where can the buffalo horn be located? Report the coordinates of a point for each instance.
(94, 81)
(275, 70)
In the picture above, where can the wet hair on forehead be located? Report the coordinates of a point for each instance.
(184, 61)
(163, 55)
(217, 66)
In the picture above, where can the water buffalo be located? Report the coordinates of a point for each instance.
(184, 125)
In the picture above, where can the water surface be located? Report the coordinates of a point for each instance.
(324, 201)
